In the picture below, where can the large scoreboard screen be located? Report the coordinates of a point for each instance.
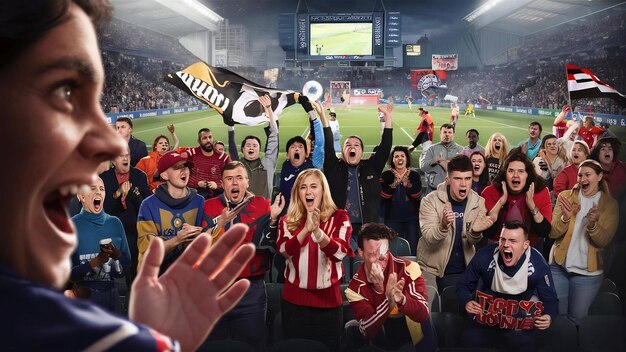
(341, 36)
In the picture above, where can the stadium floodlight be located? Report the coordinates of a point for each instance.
(192, 9)
(203, 10)
(481, 10)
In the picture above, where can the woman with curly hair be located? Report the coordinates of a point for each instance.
(518, 193)
(584, 223)
(496, 150)
(314, 237)
(401, 191)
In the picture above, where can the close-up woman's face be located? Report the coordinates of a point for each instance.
(498, 144)
(516, 176)
(578, 154)
(589, 180)
(551, 146)
(478, 164)
(399, 159)
(310, 192)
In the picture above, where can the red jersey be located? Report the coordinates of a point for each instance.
(587, 134)
(205, 168)
(559, 129)
(427, 126)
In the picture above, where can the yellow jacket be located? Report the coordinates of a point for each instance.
(598, 238)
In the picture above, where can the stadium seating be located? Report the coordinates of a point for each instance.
(400, 247)
(602, 333)
(561, 336)
(606, 303)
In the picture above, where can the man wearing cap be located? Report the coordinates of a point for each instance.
(102, 251)
(425, 131)
(173, 213)
(246, 322)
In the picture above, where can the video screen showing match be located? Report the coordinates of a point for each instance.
(341, 38)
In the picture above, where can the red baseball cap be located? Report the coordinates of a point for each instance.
(169, 159)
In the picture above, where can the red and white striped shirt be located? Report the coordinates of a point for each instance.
(313, 274)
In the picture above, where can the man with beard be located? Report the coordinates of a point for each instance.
(206, 165)
(532, 145)
(434, 161)
(173, 213)
(508, 291)
(472, 136)
(102, 251)
(354, 182)
(246, 322)
(260, 170)
(126, 187)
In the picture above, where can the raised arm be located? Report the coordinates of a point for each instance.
(232, 145)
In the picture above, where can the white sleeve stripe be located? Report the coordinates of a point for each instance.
(380, 310)
(125, 331)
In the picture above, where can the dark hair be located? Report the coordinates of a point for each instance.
(156, 140)
(483, 179)
(243, 142)
(375, 231)
(447, 126)
(459, 162)
(357, 137)
(516, 154)
(472, 130)
(202, 130)
(296, 139)
(399, 148)
(536, 123)
(616, 145)
(514, 225)
(545, 138)
(24, 22)
(233, 165)
(125, 119)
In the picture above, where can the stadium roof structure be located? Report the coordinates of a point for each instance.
(524, 17)
(175, 18)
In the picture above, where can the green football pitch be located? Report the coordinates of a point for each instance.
(361, 121)
(341, 39)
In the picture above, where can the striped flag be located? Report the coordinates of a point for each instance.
(581, 83)
(232, 96)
